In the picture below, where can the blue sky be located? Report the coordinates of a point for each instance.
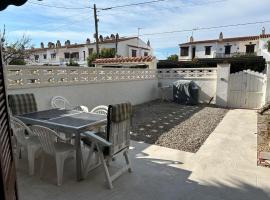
(44, 24)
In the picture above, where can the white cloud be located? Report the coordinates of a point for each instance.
(50, 24)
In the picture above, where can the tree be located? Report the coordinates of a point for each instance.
(105, 53)
(173, 57)
(15, 52)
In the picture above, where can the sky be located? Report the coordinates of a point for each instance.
(45, 24)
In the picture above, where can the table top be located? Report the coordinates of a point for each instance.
(66, 120)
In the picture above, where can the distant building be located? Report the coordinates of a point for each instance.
(58, 54)
(226, 47)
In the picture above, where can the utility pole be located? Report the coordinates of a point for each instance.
(138, 36)
(96, 28)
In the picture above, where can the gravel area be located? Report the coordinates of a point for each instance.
(175, 126)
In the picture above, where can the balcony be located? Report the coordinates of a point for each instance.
(177, 151)
(236, 54)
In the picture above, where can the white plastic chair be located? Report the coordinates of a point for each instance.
(50, 146)
(102, 110)
(30, 142)
(63, 103)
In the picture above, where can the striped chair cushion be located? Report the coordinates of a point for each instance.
(22, 103)
(120, 112)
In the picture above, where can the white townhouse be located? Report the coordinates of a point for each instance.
(226, 47)
(58, 54)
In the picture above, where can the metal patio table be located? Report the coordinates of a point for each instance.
(67, 121)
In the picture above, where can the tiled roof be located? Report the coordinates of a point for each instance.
(144, 48)
(84, 44)
(124, 60)
(233, 39)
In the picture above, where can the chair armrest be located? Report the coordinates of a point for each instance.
(96, 138)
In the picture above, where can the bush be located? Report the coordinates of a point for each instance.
(173, 57)
(17, 62)
(72, 63)
(104, 53)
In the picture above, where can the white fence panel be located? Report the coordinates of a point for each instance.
(246, 89)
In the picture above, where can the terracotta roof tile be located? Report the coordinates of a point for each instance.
(233, 39)
(124, 60)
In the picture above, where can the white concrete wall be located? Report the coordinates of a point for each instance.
(207, 88)
(95, 94)
(223, 75)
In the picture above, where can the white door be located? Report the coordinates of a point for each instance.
(246, 89)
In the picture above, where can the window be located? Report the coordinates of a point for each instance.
(250, 48)
(145, 54)
(90, 51)
(228, 49)
(83, 55)
(44, 56)
(74, 55)
(67, 55)
(36, 57)
(133, 53)
(53, 55)
(207, 50)
(184, 51)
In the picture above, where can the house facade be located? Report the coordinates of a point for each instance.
(58, 54)
(226, 47)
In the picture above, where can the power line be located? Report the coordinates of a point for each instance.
(62, 7)
(206, 28)
(132, 4)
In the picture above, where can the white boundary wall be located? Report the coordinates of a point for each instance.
(205, 78)
(83, 86)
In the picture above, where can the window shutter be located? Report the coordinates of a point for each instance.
(8, 185)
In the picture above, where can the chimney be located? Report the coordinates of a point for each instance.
(220, 36)
(88, 41)
(263, 31)
(67, 43)
(101, 38)
(148, 43)
(42, 45)
(112, 36)
(58, 43)
(191, 39)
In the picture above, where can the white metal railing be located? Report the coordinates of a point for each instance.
(44, 76)
(188, 73)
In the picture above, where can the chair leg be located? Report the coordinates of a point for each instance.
(42, 163)
(88, 162)
(103, 162)
(60, 159)
(31, 159)
(127, 161)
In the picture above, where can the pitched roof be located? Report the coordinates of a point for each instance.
(124, 60)
(144, 48)
(232, 39)
(105, 41)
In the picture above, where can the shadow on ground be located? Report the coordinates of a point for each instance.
(175, 126)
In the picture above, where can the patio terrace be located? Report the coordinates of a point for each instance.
(223, 168)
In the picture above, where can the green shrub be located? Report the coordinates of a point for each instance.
(17, 62)
(72, 63)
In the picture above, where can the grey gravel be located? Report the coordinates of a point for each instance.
(175, 126)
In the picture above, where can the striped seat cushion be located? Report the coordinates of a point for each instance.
(120, 112)
(22, 103)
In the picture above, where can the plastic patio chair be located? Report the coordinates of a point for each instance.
(62, 103)
(102, 110)
(30, 142)
(50, 146)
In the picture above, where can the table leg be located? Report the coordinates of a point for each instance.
(78, 156)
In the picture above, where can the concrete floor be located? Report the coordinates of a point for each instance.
(223, 168)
